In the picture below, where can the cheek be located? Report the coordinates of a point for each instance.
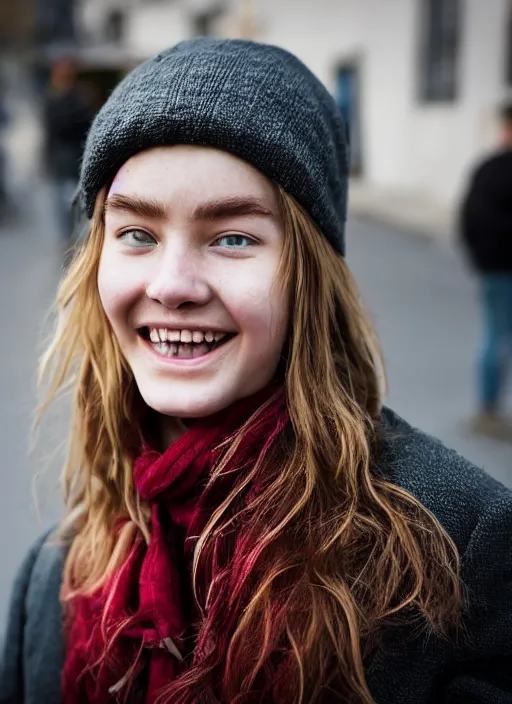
(261, 311)
(114, 289)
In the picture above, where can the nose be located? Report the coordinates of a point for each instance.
(178, 279)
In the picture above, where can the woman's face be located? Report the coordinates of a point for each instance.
(187, 277)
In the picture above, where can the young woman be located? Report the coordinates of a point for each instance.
(245, 521)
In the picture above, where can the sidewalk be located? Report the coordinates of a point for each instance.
(409, 211)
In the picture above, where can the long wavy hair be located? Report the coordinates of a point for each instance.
(332, 552)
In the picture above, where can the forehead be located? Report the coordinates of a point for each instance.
(190, 173)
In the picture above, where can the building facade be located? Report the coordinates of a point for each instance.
(419, 80)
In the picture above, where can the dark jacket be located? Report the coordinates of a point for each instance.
(67, 119)
(486, 215)
(408, 668)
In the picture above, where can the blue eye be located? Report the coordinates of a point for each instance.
(137, 238)
(234, 241)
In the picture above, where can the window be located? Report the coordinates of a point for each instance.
(441, 20)
(115, 26)
(347, 95)
(204, 23)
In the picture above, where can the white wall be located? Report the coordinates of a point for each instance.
(154, 27)
(92, 16)
(444, 140)
(378, 34)
(406, 145)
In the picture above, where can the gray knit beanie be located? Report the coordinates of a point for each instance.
(256, 101)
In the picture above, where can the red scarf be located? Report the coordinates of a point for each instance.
(151, 607)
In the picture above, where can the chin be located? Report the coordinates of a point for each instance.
(187, 406)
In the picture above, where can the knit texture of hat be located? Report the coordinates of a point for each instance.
(256, 101)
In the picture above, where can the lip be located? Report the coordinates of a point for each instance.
(179, 362)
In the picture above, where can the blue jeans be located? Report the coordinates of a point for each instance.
(496, 354)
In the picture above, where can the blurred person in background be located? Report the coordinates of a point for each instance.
(67, 115)
(245, 520)
(3, 165)
(486, 230)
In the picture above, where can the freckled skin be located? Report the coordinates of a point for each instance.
(185, 275)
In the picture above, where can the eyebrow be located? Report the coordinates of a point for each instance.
(145, 207)
(219, 209)
(231, 207)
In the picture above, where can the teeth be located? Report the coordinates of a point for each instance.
(161, 336)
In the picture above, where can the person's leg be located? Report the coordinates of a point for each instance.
(508, 314)
(491, 364)
(3, 194)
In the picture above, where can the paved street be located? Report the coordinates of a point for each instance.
(425, 309)
(419, 294)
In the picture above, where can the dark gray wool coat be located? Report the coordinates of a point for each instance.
(407, 668)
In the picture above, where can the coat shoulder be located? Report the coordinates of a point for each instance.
(33, 650)
(476, 511)
(457, 492)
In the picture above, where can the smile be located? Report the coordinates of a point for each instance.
(185, 343)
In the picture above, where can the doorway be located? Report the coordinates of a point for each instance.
(348, 99)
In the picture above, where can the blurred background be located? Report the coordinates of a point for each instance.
(419, 82)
